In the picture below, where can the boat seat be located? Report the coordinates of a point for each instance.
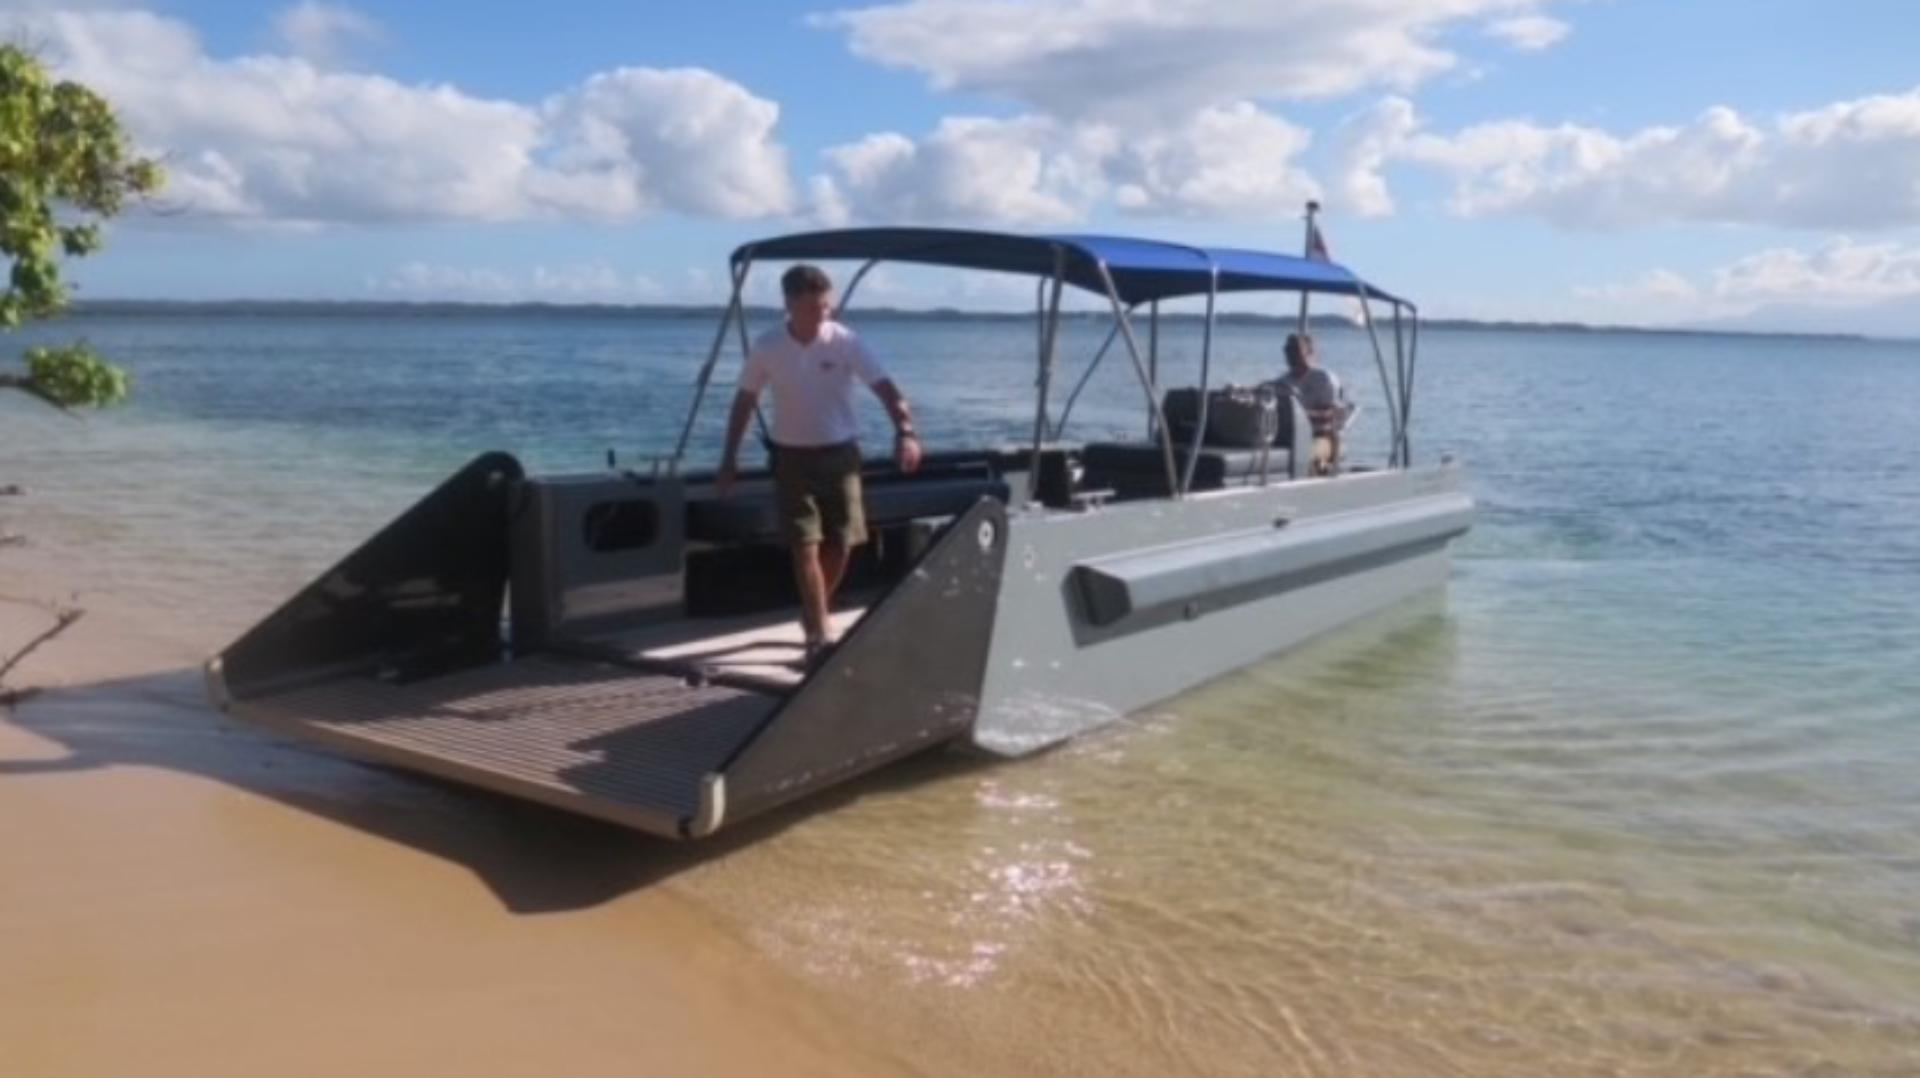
(1138, 469)
(756, 517)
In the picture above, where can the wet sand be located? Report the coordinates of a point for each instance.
(180, 895)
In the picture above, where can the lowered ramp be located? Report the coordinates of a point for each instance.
(589, 737)
(398, 655)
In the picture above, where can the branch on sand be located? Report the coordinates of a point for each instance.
(35, 390)
(63, 618)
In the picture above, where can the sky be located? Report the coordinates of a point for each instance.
(1740, 163)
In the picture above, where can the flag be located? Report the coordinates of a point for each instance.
(1316, 243)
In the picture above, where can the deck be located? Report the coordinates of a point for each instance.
(594, 737)
(759, 652)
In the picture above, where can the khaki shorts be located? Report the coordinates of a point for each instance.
(818, 488)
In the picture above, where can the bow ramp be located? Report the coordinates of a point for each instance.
(674, 726)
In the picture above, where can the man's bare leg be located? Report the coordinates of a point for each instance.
(813, 590)
(833, 566)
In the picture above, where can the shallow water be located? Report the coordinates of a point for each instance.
(1635, 796)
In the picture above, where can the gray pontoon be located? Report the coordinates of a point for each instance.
(622, 644)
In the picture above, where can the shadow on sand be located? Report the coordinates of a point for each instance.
(536, 859)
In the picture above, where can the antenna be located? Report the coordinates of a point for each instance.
(1307, 245)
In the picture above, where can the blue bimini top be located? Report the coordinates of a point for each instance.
(1142, 270)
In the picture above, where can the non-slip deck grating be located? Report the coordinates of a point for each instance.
(590, 736)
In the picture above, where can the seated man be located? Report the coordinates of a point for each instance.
(1321, 397)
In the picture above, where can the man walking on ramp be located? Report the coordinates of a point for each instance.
(811, 363)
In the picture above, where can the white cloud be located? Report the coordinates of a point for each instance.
(1657, 297)
(1362, 145)
(1232, 161)
(1849, 165)
(431, 281)
(1027, 171)
(1529, 33)
(43, 7)
(277, 139)
(1125, 57)
(594, 282)
(1031, 171)
(325, 34)
(1842, 272)
(827, 203)
(686, 137)
(1840, 275)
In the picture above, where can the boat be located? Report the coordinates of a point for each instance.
(621, 642)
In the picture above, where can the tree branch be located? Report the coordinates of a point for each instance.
(27, 385)
(63, 618)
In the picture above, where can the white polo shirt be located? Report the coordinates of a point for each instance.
(812, 383)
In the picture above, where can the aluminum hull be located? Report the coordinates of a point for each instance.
(1016, 627)
(1053, 672)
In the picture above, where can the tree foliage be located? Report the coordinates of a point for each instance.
(65, 167)
(70, 376)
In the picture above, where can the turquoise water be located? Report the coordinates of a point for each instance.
(1638, 795)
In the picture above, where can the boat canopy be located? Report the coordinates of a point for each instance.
(1143, 270)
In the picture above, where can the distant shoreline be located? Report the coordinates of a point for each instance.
(391, 308)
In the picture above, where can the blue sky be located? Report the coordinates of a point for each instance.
(1642, 161)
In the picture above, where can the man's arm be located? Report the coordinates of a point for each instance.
(744, 402)
(906, 440)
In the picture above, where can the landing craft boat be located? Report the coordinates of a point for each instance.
(620, 643)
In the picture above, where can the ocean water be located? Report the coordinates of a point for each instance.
(1640, 794)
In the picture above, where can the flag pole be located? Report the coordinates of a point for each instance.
(1306, 251)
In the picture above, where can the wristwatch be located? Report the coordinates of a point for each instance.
(906, 432)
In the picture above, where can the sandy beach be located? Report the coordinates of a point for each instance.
(182, 896)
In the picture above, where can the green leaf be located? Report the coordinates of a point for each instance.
(73, 376)
(65, 166)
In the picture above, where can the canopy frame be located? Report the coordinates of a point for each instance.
(1127, 273)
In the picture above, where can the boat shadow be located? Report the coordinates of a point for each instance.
(535, 859)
